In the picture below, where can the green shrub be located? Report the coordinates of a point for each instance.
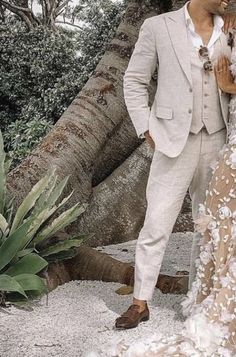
(23, 252)
(22, 136)
(41, 71)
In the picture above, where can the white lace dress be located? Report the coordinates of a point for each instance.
(210, 328)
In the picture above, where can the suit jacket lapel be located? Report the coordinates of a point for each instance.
(175, 22)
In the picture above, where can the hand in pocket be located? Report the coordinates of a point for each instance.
(149, 140)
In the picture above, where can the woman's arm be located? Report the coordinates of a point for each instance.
(224, 77)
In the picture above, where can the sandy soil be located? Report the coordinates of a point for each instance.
(78, 317)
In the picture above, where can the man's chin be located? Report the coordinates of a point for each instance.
(221, 11)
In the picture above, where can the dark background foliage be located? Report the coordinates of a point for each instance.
(43, 70)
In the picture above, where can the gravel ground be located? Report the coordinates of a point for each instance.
(78, 317)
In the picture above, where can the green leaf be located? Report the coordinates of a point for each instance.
(51, 197)
(60, 222)
(31, 282)
(8, 210)
(38, 220)
(31, 263)
(56, 193)
(2, 175)
(68, 254)
(3, 223)
(29, 202)
(42, 201)
(7, 283)
(43, 217)
(62, 246)
(24, 252)
(15, 242)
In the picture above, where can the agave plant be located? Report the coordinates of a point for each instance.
(23, 252)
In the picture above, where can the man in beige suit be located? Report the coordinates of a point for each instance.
(186, 126)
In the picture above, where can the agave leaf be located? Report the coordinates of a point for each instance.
(2, 175)
(15, 242)
(31, 282)
(31, 263)
(43, 217)
(68, 254)
(2, 237)
(42, 201)
(3, 223)
(60, 222)
(7, 283)
(8, 211)
(24, 252)
(29, 202)
(62, 246)
(55, 192)
(38, 221)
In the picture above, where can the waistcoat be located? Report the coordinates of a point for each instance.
(206, 102)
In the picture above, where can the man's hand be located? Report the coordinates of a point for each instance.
(149, 139)
(229, 22)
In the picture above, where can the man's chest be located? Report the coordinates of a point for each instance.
(205, 35)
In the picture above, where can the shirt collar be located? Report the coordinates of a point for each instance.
(218, 20)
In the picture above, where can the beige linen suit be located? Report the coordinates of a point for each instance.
(181, 159)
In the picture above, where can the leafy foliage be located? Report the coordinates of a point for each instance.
(23, 252)
(43, 70)
(101, 19)
(35, 66)
(22, 136)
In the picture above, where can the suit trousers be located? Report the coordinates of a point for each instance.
(168, 182)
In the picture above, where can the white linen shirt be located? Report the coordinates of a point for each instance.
(196, 38)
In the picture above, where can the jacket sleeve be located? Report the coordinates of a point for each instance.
(142, 65)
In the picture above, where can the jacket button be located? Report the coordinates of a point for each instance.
(190, 90)
(190, 111)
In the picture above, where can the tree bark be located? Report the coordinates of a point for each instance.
(89, 124)
(116, 208)
(51, 9)
(22, 9)
(90, 264)
(93, 138)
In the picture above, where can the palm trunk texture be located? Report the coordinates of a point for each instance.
(95, 143)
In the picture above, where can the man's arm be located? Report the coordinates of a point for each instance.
(137, 77)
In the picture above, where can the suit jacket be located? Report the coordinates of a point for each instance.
(163, 44)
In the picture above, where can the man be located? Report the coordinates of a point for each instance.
(186, 126)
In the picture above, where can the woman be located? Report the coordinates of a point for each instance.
(210, 329)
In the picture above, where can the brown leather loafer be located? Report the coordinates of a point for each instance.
(132, 317)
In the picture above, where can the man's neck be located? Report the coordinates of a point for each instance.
(199, 15)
